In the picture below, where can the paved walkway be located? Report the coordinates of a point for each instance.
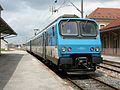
(21, 71)
(111, 58)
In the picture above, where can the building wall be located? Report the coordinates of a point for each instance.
(103, 22)
(111, 42)
(4, 45)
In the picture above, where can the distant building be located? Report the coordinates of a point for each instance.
(4, 44)
(104, 16)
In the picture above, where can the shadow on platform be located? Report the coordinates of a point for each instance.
(8, 65)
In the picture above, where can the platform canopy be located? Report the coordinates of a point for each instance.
(5, 29)
(1, 8)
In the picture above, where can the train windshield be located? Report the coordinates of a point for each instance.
(69, 28)
(88, 28)
(78, 28)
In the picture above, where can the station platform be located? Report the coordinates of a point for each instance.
(111, 58)
(21, 71)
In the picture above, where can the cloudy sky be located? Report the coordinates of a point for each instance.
(26, 15)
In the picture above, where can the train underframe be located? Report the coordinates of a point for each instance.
(79, 63)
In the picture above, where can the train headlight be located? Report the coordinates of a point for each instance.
(97, 49)
(63, 49)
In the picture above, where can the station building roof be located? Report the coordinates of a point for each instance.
(112, 26)
(5, 28)
(105, 13)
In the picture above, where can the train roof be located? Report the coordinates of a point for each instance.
(61, 17)
(69, 16)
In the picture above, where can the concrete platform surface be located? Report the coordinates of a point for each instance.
(111, 58)
(21, 71)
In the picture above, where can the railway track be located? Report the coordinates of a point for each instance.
(111, 66)
(91, 83)
(114, 64)
(101, 66)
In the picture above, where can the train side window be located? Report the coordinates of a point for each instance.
(53, 31)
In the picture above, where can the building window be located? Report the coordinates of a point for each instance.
(102, 26)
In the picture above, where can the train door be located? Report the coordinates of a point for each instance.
(50, 42)
(44, 45)
(53, 42)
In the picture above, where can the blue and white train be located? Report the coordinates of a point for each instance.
(70, 42)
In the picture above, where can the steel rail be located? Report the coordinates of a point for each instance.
(111, 62)
(108, 68)
(114, 64)
(105, 83)
(101, 82)
(75, 84)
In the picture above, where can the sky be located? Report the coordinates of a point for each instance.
(24, 16)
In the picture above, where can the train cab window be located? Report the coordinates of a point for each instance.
(69, 28)
(88, 28)
(53, 31)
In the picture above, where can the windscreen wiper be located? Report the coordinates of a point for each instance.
(66, 22)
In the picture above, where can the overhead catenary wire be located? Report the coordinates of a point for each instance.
(61, 6)
(72, 4)
(47, 18)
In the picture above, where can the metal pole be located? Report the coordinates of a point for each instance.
(35, 31)
(82, 9)
(52, 10)
(0, 33)
(0, 43)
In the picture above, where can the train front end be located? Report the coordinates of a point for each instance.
(79, 44)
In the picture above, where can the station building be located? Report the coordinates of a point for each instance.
(4, 44)
(108, 20)
(5, 29)
(110, 36)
